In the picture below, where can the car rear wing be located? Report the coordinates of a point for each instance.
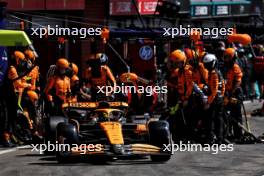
(93, 105)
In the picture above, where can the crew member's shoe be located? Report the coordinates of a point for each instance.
(15, 140)
(6, 140)
(37, 138)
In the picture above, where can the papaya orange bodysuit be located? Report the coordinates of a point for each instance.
(234, 76)
(62, 87)
(184, 82)
(213, 83)
(200, 75)
(19, 83)
(34, 76)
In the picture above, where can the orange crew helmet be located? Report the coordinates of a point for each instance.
(74, 78)
(128, 77)
(30, 55)
(178, 58)
(19, 56)
(62, 63)
(230, 53)
(75, 69)
(33, 96)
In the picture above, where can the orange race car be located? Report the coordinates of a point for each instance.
(102, 130)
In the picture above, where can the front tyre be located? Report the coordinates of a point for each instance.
(159, 135)
(66, 135)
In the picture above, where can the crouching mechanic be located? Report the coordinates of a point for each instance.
(233, 94)
(62, 86)
(100, 76)
(216, 87)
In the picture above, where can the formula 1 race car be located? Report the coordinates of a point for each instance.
(102, 129)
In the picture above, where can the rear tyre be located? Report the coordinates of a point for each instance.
(159, 135)
(50, 126)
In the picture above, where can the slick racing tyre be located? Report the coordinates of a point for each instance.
(50, 126)
(66, 135)
(159, 135)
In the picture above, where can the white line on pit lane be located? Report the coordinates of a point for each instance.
(24, 147)
(14, 149)
(8, 151)
(247, 102)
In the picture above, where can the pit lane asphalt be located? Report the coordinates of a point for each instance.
(245, 160)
